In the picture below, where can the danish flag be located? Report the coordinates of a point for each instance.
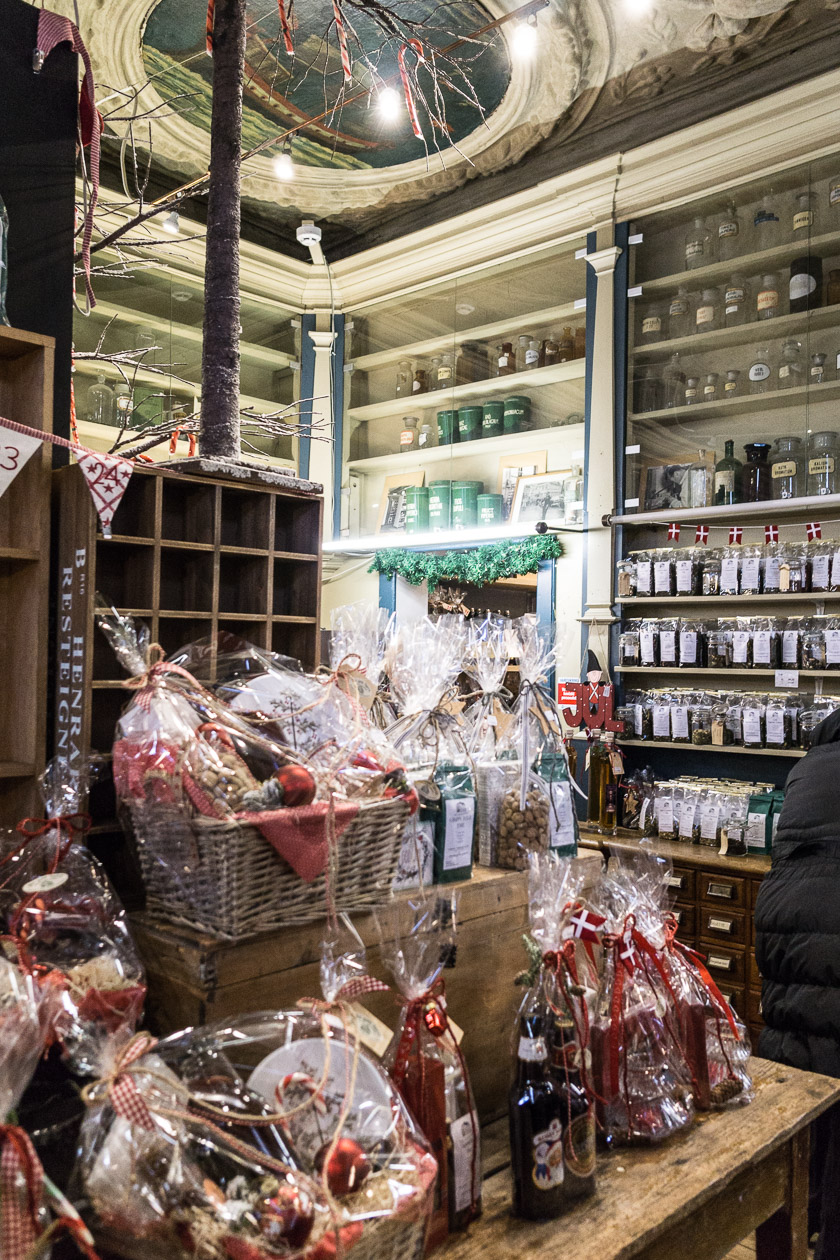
(814, 530)
(736, 535)
(771, 533)
(627, 951)
(585, 926)
(702, 534)
(673, 532)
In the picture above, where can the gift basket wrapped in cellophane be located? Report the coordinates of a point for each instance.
(245, 801)
(272, 1135)
(360, 632)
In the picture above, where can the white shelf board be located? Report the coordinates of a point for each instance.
(505, 443)
(764, 260)
(163, 382)
(531, 320)
(187, 332)
(723, 674)
(716, 601)
(494, 387)
(368, 543)
(806, 394)
(813, 507)
(757, 333)
(710, 748)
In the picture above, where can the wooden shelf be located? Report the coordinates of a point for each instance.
(799, 394)
(812, 507)
(755, 333)
(17, 769)
(533, 320)
(723, 673)
(19, 555)
(716, 601)
(494, 387)
(711, 748)
(760, 261)
(505, 443)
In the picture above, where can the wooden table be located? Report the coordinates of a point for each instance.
(693, 1198)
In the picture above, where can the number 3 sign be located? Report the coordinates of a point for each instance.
(15, 450)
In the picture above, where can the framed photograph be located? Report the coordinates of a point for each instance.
(541, 497)
(392, 503)
(668, 485)
(511, 468)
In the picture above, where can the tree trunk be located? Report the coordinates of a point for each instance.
(220, 354)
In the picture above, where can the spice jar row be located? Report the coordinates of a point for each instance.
(769, 569)
(731, 815)
(775, 219)
(724, 719)
(807, 643)
(477, 361)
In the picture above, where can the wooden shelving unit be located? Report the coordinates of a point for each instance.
(716, 748)
(26, 391)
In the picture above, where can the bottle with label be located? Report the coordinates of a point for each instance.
(608, 813)
(693, 393)
(729, 234)
(728, 472)
(446, 371)
(818, 371)
(540, 1128)
(711, 392)
(834, 195)
(420, 384)
(804, 222)
(806, 283)
(766, 225)
(701, 480)
(786, 468)
(549, 352)
(425, 436)
(432, 374)
(767, 298)
(707, 315)
(408, 434)
(404, 378)
(732, 384)
(522, 351)
(755, 479)
(673, 382)
(698, 245)
(4, 260)
(532, 354)
(680, 321)
(823, 465)
(735, 298)
(566, 346)
(652, 330)
(791, 364)
(507, 359)
(760, 373)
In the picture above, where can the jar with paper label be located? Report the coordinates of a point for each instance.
(699, 250)
(786, 468)
(793, 569)
(742, 644)
(761, 372)
(791, 365)
(806, 284)
(732, 387)
(446, 371)
(408, 434)
(813, 647)
(707, 315)
(823, 456)
(721, 733)
(522, 351)
(728, 474)
(792, 643)
(693, 391)
(818, 369)
(809, 720)
(692, 645)
(629, 649)
(766, 652)
(663, 572)
(770, 564)
(701, 723)
(750, 583)
(752, 722)
(680, 314)
(729, 240)
(625, 582)
(701, 481)
(730, 566)
(687, 571)
(668, 628)
(549, 352)
(831, 631)
(735, 302)
(649, 642)
(652, 329)
(804, 216)
(711, 390)
(819, 566)
(420, 384)
(404, 377)
(767, 298)
(766, 223)
(710, 582)
(718, 649)
(506, 359)
(644, 573)
(777, 723)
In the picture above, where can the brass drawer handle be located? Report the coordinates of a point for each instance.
(722, 964)
(726, 891)
(675, 881)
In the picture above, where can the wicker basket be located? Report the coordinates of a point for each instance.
(225, 878)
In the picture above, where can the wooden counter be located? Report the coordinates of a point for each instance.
(699, 855)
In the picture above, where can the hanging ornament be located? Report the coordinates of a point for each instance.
(813, 530)
(736, 535)
(701, 535)
(347, 1166)
(594, 704)
(673, 532)
(771, 533)
(298, 785)
(286, 29)
(285, 1217)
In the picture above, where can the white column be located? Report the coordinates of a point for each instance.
(321, 453)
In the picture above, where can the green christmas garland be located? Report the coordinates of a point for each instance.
(479, 565)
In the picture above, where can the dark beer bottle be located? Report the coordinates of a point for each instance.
(537, 1113)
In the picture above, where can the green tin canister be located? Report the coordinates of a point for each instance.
(470, 423)
(517, 417)
(416, 509)
(465, 503)
(490, 509)
(440, 505)
(492, 423)
(447, 426)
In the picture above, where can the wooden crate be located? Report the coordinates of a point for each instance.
(190, 556)
(26, 396)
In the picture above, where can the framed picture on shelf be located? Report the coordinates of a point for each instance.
(511, 468)
(392, 503)
(669, 485)
(540, 497)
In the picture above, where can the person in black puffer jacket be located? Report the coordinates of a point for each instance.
(797, 946)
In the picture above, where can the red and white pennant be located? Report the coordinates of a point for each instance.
(736, 535)
(701, 535)
(814, 530)
(673, 532)
(771, 533)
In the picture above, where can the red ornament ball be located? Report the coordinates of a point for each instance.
(286, 1218)
(298, 785)
(347, 1168)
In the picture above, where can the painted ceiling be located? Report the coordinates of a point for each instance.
(605, 75)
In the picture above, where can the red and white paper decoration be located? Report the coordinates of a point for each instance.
(814, 530)
(771, 533)
(736, 535)
(673, 532)
(701, 535)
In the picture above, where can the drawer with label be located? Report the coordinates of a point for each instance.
(686, 917)
(720, 924)
(723, 890)
(728, 966)
(682, 883)
(754, 1012)
(736, 997)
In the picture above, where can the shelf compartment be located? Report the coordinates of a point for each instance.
(759, 262)
(711, 748)
(732, 672)
(295, 640)
(253, 630)
(246, 519)
(105, 710)
(297, 525)
(505, 443)
(826, 392)
(243, 584)
(125, 574)
(188, 511)
(176, 632)
(757, 332)
(186, 581)
(135, 515)
(495, 386)
(295, 591)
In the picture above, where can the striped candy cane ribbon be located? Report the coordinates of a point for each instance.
(208, 28)
(342, 41)
(286, 28)
(409, 97)
(306, 1082)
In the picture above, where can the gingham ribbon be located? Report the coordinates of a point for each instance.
(52, 30)
(409, 97)
(736, 535)
(124, 1094)
(673, 532)
(285, 28)
(358, 987)
(208, 29)
(771, 533)
(19, 1229)
(701, 534)
(342, 41)
(814, 530)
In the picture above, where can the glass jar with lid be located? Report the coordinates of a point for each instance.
(809, 720)
(791, 364)
(680, 314)
(767, 302)
(446, 370)
(732, 384)
(786, 468)
(420, 384)
(693, 393)
(730, 244)
(549, 352)
(707, 315)
(823, 455)
(700, 718)
(699, 250)
(760, 372)
(818, 371)
(793, 569)
(735, 298)
(507, 359)
(701, 479)
(673, 382)
(566, 342)
(710, 387)
(718, 649)
(404, 379)
(722, 736)
(756, 482)
(521, 352)
(629, 649)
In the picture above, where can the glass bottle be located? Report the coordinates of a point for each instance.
(507, 359)
(446, 370)
(680, 323)
(786, 468)
(532, 354)
(759, 373)
(425, 436)
(403, 389)
(735, 302)
(767, 298)
(647, 388)
(607, 789)
(692, 393)
(818, 372)
(549, 352)
(755, 478)
(766, 225)
(729, 234)
(732, 384)
(791, 364)
(710, 387)
(834, 194)
(728, 473)
(408, 434)
(432, 374)
(698, 245)
(4, 260)
(125, 406)
(823, 464)
(700, 482)
(806, 284)
(419, 385)
(522, 351)
(673, 382)
(102, 402)
(566, 346)
(804, 216)
(832, 291)
(596, 779)
(706, 317)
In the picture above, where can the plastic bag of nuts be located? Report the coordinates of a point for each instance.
(524, 831)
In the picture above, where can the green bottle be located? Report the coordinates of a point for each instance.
(728, 476)
(4, 260)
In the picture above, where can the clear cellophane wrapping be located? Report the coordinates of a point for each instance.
(359, 637)
(424, 660)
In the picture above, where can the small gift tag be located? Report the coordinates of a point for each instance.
(617, 762)
(428, 791)
(46, 883)
(372, 1033)
(357, 687)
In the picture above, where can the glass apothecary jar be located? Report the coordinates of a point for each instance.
(707, 315)
(626, 579)
(786, 468)
(701, 723)
(793, 569)
(823, 455)
(718, 649)
(722, 736)
(756, 481)
(404, 379)
(809, 720)
(680, 315)
(791, 364)
(735, 297)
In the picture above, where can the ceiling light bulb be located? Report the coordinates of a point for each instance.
(172, 223)
(284, 167)
(638, 7)
(525, 38)
(389, 103)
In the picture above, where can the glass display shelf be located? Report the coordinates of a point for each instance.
(710, 748)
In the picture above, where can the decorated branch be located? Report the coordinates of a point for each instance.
(479, 565)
